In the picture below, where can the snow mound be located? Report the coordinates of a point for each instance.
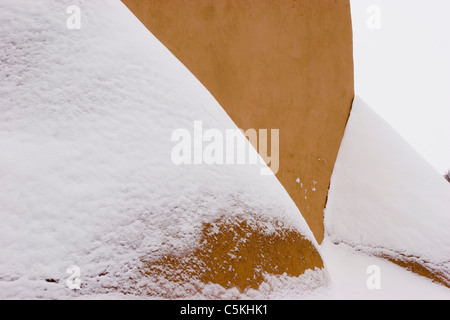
(386, 200)
(86, 177)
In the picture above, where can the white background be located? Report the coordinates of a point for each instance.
(402, 71)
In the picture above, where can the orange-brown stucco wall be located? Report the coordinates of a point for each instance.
(271, 64)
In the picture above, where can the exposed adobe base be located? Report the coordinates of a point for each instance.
(437, 273)
(420, 267)
(236, 253)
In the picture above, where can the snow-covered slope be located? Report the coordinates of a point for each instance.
(86, 177)
(351, 271)
(387, 201)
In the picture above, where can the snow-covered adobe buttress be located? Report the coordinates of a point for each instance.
(88, 185)
(386, 200)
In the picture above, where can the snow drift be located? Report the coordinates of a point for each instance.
(86, 176)
(386, 200)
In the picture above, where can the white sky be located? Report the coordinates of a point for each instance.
(402, 70)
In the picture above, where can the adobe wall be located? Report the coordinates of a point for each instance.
(271, 64)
